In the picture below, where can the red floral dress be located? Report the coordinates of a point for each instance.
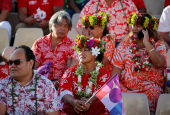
(148, 82)
(47, 96)
(44, 54)
(118, 22)
(4, 70)
(69, 82)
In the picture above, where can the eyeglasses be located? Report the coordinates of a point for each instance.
(16, 62)
(91, 27)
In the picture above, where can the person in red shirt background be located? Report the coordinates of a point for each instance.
(36, 13)
(5, 7)
(140, 5)
(4, 68)
(167, 3)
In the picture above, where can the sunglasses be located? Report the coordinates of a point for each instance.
(16, 62)
(91, 27)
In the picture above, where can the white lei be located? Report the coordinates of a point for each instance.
(89, 82)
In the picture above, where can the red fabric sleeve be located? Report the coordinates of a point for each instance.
(139, 4)
(58, 2)
(22, 3)
(167, 2)
(110, 48)
(36, 48)
(67, 80)
(160, 48)
(6, 5)
(118, 57)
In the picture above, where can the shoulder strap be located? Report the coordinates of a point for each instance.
(124, 14)
(97, 6)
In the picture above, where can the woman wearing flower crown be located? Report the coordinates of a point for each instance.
(97, 28)
(80, 82)
(138, 60)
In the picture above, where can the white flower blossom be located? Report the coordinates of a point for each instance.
(79, 88)
(137, 63)
(145, 62)
(97, 68)
(90, 84)
(35, 71)
(91, 38)
(99, 64)
(15, 98)
(95, 51)
(131, 50)
(79, 78)
(88, 90)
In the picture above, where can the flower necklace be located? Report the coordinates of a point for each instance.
(14, 94)
(92, 80)
(145, 66)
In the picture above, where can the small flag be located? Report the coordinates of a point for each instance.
(45, 69)
(110, 95)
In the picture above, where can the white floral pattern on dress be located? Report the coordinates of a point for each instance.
(43, 54)
(118, 21)
(148, 82)
(4, 70)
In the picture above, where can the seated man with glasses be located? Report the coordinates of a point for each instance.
(25, 92)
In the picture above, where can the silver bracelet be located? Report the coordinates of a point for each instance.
(151, 50)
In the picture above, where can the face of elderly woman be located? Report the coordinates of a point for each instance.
(85, 56)
(136, 29)
(61, 30)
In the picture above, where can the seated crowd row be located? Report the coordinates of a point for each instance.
(101, 51)
(36, 14)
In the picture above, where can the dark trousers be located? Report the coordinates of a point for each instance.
(97, 108)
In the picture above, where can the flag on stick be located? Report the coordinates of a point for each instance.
(110, 95)
(45, 69)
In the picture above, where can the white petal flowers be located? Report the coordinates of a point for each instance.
(95, 51)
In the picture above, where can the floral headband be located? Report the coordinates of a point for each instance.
(96, 46)
(143, 21)
(101, 20)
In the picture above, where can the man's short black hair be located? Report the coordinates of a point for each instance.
(28, 53)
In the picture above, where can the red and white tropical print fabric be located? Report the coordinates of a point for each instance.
(148, 82)
(110, 48)
(4, 70)
(118, 22)
(44, 54)
(47, 96)
(69, 82)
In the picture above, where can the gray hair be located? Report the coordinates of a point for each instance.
(57, 19)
